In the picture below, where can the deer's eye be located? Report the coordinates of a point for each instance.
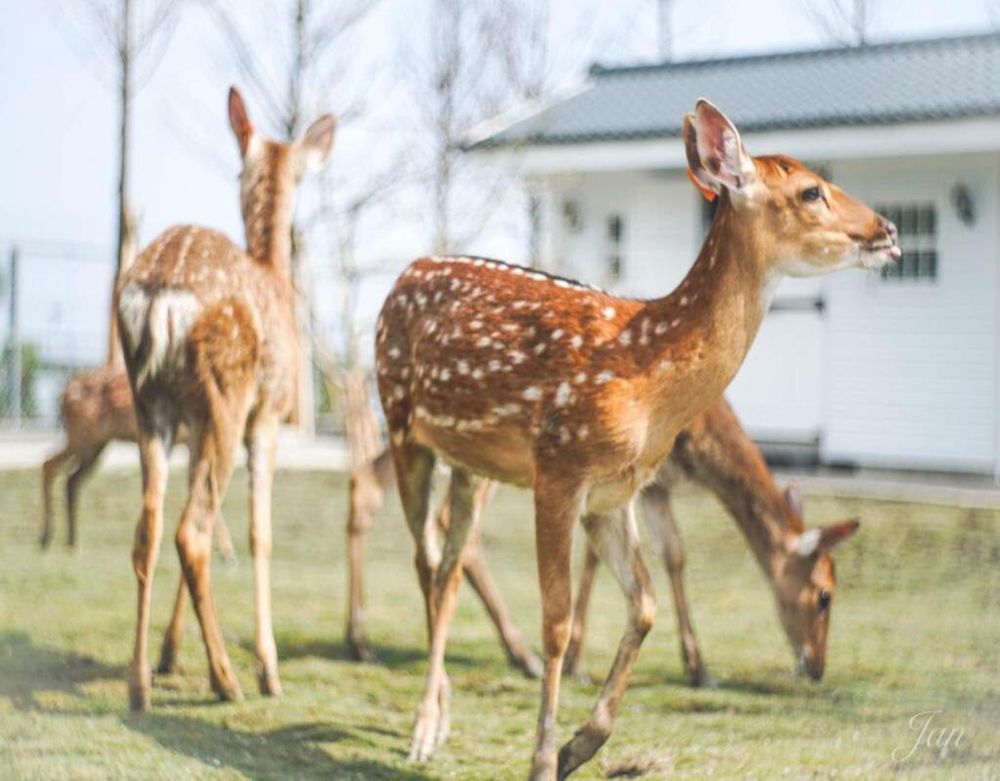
(824, 600)
(811, 194)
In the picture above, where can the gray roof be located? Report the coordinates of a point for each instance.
(874, 84)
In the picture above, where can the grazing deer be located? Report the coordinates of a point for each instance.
(713, 451)
(515, 375)
(96, 409)
(209, 340)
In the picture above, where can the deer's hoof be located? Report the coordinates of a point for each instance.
(425, 733)
(700, 678)
(359, 650)
(268, 681)
(139, 700)
(226, 688)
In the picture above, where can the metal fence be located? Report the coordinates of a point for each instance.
(55, 317)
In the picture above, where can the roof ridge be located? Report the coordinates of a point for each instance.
(601, 71)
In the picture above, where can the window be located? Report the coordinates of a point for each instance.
(917, 226)
(616, 232)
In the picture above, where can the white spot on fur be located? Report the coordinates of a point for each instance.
(661, 328)
(604, 376)
(475, 325)
(477, 374)
(562, 394)
(608, 312)
(539, 348)
(517, 356)
(666, 365)
(534, 393)
(580, 378)
(582, 433)
(625, 337)
(557, 334)
(564, 435)
(483, 341)
(577, 341)
(394, 352)
(462, 367)
(494, 365)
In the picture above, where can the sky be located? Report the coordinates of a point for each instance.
(58, 133)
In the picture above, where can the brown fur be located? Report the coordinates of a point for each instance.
(209, 341)
(585, 448)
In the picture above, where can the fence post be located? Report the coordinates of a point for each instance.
(14, 347)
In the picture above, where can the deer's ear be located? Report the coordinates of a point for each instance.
(239, 121)
(316, 143)
(836, 533)
(823, 538)
(794, 500)
(721, 159)
(696, 171)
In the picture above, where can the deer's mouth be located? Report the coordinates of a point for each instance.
(876, 254)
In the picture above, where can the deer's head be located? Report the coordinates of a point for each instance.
(804, 583)
(272, 169)
(805, 224)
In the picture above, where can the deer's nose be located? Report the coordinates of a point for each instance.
(888, 228)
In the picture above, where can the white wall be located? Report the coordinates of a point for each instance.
(911, 377)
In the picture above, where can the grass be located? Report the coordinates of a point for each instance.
(916, 627)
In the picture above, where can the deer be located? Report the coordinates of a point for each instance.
(209, 340)
(713, 451)
(509, 373)
(95, 409)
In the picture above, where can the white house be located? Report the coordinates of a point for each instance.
(898, 370)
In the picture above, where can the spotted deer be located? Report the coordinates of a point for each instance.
(538, 381)
(209, 341)
(96, 409)
(715, 452)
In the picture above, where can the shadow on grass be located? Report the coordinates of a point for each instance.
(295, 750)
(295, 646)
(27, 669)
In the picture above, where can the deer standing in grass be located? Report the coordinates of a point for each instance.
(96, 409)
(209, 341)
(512, 374)
(713, 451)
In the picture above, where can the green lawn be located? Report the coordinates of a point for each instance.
(916, 627)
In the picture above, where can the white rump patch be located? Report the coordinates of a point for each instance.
(168, 319)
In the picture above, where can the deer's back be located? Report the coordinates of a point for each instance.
(193, 292)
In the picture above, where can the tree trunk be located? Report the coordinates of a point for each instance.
(126, 227)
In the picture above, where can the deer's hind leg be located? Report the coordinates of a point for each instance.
(154, 443)
(433, 721)
(261, 442)
(86, 462)
(615, 538)
(223, 348)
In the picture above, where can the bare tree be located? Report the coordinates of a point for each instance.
(132, 37)
(307, 67)
(846, 22)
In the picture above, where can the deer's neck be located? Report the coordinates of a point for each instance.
(268, 207)
(740, 478)
(710, 320)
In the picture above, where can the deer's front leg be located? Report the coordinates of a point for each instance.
(616, 541)
(557, 507)
(261, 442)
(49, 471)
(663, 528)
